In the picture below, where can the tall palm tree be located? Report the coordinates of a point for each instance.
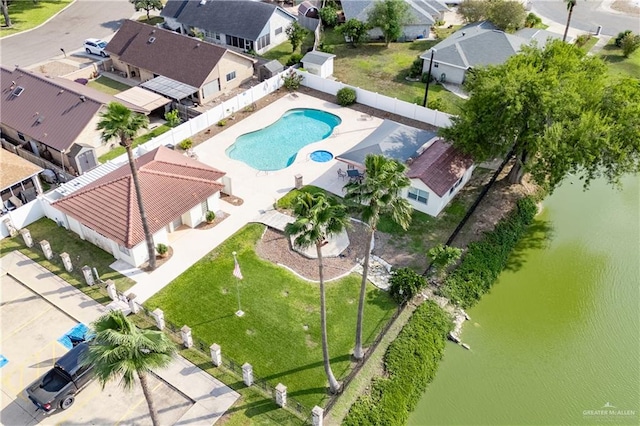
(318, 218)
(120, 350)
(570, 5)
(119, 122)
(381, 192)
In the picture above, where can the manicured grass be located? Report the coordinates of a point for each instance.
(153, 20)
(374, 67)
(278, 307)
(118, 150)
(81, 253)
(283, 51)
(26, 14)
(107, 85)
(589, 44)
(620, 66)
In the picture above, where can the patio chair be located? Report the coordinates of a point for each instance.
(354, 175)
(342, 174)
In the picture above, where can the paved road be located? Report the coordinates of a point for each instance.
(587, 15)
(83, 19)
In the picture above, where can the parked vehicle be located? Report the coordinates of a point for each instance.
(95, 46)
(58, 387)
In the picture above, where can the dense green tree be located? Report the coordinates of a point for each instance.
(119, 350)
(507, 15)
(380, 191)
(629, 44)
(557, 110)
(404, 284)
(318, 218)
(119, 122)
(570, 5)
(355, 31)
(296, 34)
(329, 16)
(473, 10)
(147, 6)
(390, 16)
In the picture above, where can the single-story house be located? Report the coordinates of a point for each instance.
(176, 190)
(424, 14)
(436, 169)
(54, 118)
(245, 25)
(19, 181)
(477, 44)
(175, 65)
(318, 63)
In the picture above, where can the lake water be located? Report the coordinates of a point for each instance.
(557, 341)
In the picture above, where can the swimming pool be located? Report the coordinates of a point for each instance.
(275, 147)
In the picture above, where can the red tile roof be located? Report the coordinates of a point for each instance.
(51, 110)
(171, 185)
(439, 166)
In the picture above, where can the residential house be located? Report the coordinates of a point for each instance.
(176, 190)
(53, 118)
(424, 14)
(475, 45)
(436, 169)
(175, 65)
(245, 25)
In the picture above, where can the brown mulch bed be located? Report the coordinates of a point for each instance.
(625, 6)
(275, 247)
(160, 260)
(231, 199)
(220, 216)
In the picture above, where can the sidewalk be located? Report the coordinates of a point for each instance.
(211, 397)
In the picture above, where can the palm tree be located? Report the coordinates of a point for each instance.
(317, 218)
(119, 122)
(381, 192)
(120, 350)
(570, 5)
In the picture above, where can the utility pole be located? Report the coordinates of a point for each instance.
(426, 90)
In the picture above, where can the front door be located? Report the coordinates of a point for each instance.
(176, 223)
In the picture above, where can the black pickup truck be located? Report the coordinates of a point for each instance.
(58, 387)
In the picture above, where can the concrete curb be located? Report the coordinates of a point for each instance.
(45, 22)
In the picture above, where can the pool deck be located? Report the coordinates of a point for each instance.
(259, 189)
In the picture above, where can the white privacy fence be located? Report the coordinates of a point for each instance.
(378, 101)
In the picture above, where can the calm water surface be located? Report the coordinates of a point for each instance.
(559, 335)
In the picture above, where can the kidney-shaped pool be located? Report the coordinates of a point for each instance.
(275, 147)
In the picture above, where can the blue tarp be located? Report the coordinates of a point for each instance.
(3, 361)
(78, 334)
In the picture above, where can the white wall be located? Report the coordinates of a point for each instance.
(453, 74)
(22, 216)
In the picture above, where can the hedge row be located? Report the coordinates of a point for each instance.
(410, 364)
(486, 259)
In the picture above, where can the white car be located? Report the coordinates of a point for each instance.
(95, 46)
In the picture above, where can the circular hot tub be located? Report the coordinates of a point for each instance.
(321, 156)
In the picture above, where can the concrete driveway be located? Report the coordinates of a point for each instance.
(68, 30)
(30, 328)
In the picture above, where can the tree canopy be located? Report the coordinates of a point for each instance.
(354, 30)
(296, 34)
(507, 15)
(559, 112)
(390, 16)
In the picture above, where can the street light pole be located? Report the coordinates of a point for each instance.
(426, 90)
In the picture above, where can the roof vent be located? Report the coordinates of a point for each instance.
(18, 91)
(151, 39)
(203, 2)
(197, 44)
(153, 31)
(40, 119)
(61, 92)
(463, 34)
(83, 98)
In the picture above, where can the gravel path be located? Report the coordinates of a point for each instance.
(274, 246)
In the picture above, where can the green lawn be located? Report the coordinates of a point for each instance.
(153, 20)
(618, 64)
(81, 253)
(107, 85)
(118, 150)
(283, 51)
(26, 14)
(279, 306)
(377, 68)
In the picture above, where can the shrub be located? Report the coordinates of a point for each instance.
(532, 20)
(404, 284)
(425, 77)
(416, 68)
(346, 96)
(442, 257)
(485, 259)
(222, 122)
(292, 80)
(326, 48)
(582, 39)
(294, 59)
(620, 36)
(162, 249)
(172, 117)
(435, 103)
(210, 216)
(630, 44)
(411, 363)
(329, 16)
(185, 144)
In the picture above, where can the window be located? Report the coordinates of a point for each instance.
(264, 41)
(278, 30)
(457, 184)
(231, 75)
(418, 195)
(21, 137)
(216, 36)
